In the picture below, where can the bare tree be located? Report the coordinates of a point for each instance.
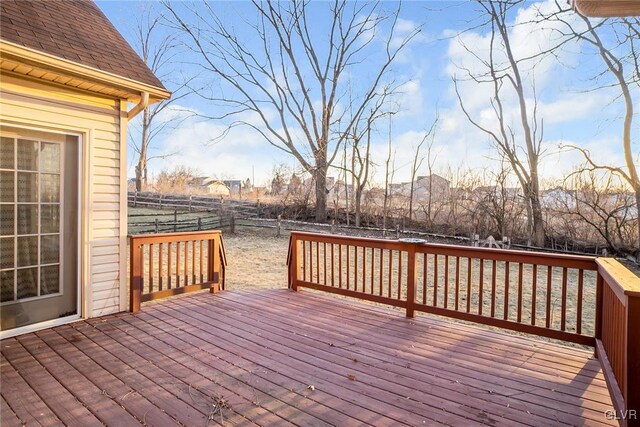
(522, 148)
(621, 58)
(292, 81)
(389, 172)
(158, 50)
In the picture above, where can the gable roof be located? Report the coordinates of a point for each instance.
(74, 30)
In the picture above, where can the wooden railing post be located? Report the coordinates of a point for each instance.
(632, 359)
(214, 263)
(293, 263)
(411, 279)
(135, 283)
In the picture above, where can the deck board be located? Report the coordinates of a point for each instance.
(260, 351)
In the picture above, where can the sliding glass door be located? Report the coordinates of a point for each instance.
(39, 220)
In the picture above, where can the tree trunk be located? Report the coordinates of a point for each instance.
(638, 222)
(538, 235)
(321, 190)
(358, 207)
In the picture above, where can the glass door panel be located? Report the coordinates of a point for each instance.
(38, 226)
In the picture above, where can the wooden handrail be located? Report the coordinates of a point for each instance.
(618, 337)
(181, 262)
(489, 286)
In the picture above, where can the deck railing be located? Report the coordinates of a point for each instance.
(168, 264)
(618, 336)
(572, 298)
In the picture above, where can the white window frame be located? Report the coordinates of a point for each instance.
(83, 166)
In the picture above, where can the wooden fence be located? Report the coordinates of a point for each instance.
(168, 264)
(191, 203)
(565, 297)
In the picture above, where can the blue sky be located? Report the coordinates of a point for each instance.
(572, 114)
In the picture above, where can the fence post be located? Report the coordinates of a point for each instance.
(333, 226)
(190, 199)
(232, 223)
(397, 231)
(199, 224)
(135, 198)
(175, 220)
(411, 279)
(135, 281)
(279, 225)
(156, 225)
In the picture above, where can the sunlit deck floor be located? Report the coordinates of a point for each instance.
(273, 357)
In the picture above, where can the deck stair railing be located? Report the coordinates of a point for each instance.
(579, 299)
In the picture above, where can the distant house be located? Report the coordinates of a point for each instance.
(67, 79)
(424, 186)
(217, 188)
(559, 199)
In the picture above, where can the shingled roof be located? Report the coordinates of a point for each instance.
(75, 30)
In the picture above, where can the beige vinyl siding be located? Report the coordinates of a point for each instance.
(37, 104)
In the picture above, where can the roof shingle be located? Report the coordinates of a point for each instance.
(75, 30)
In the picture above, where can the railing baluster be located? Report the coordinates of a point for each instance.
(186, 263)
(348, 250)
(364, 269)
(333, 268)
(494, 269)
(520, 292)
(373, 266)
(340, 265)
(446, 281)
(548, 306)
(355, 268)
(317, 262)
(169, 247)
(563, 308)
(193, 261)
(160, 267)
(534, 293)
(304, 261)
(425, 271)
(400, 275)
(381, 268)
(324, 262)
(150, 267)
(390, 272)
(481, 287)
(507, 283)
(457, 283)
(201, 256)
(469, 275)
(579, 309)
(435, 280)
(178, 265)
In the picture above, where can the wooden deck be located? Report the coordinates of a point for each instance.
(274, 357)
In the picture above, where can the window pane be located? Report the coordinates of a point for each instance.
(50, 157)
(27, 251)
(7, 153)
(7, 252)
(27, 155)
(27, 282)
(6, 285)
(27, 219)
(49, 279)
(49, 218)
(7, 220)
(27, 187)
(49, 188)
(7, 193)
(49, 249)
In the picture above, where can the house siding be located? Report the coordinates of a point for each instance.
(103, 124)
